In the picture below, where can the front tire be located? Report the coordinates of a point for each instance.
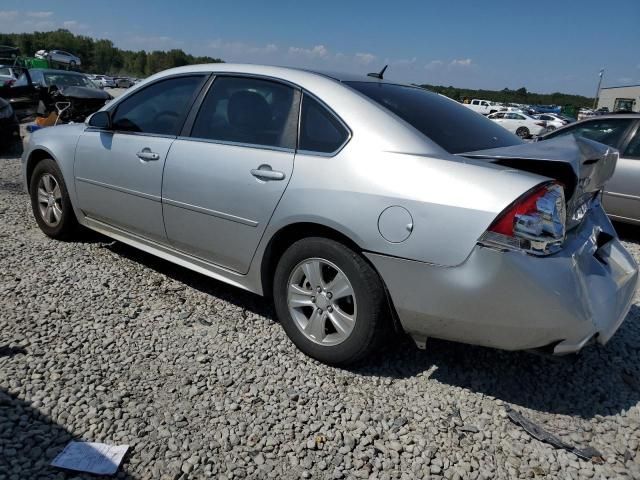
(330, 301)
(50, 201)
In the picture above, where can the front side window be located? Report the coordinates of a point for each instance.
(609, 131)
(250, 111)
(159, 108)
(450, 125)
(320, 130)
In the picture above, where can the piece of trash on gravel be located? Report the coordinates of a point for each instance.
(97, 458)
(587, 453)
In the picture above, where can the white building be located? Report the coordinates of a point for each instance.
(625, 98)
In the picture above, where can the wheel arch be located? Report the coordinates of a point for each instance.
(35, 157)
(289, 234)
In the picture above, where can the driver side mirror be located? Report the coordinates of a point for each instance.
(101, 120)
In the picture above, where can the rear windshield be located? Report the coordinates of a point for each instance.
(454, 127)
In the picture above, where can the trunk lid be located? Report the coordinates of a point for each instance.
(581, 165)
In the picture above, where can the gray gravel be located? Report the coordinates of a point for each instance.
(103, 343)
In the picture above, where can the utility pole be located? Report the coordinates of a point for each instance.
(595, 100)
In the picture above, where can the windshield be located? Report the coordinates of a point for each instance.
(67, 80)
(454, 127)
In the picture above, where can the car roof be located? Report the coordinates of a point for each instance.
(277, 71)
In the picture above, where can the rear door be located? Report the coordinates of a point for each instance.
(118, 172)
(225, 176)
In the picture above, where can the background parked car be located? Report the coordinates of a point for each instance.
(485, 107)
(59, 56)
(553, 121)
(10, 71)
(9, 126)
(105, 82)
(621, 131)
(123, 82)
(519, 123)
(6, 80)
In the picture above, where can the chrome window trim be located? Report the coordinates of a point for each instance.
(335, 115)
(127, 132)
(236, 144)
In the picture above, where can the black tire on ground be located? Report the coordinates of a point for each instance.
(68, 226)
(372, 322)
(523, 132)
(550, 128)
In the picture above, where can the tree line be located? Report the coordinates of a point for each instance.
(100, 55)
(506, 95)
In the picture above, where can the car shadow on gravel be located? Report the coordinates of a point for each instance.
(600, 380)
(242, 298)
(30, 439)
(628, 232)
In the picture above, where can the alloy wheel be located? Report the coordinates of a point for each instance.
(49, 200)
(321, 301)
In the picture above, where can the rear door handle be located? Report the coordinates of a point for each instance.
(146, 155)
(264, 172)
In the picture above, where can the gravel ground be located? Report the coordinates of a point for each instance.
(101, 342)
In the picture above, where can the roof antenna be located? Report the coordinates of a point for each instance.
(378, 75)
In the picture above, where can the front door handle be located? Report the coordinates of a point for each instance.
(146, 155)
(264, 172)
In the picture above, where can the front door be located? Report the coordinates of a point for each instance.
(222, 184)
(118, 172)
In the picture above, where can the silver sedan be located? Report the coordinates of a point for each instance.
(361, 206)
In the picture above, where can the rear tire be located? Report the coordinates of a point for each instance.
(523, 132)
(330, 301)
(50, 201)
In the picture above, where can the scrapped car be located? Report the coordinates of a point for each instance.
(358, 205)
(59, 56)
(621, 196)
(43, 91)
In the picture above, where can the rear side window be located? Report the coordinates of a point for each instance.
(160, 108)
(452, 126)
(320, 130)
(607, 131)
(249, 111)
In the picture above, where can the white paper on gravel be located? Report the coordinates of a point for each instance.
(98, 458)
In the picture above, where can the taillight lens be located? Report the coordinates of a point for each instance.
(536, 222)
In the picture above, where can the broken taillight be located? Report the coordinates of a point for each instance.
(535, 223)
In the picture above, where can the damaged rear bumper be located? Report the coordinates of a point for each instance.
(513, 301)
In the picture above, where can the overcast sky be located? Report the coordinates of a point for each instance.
(542, 45)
